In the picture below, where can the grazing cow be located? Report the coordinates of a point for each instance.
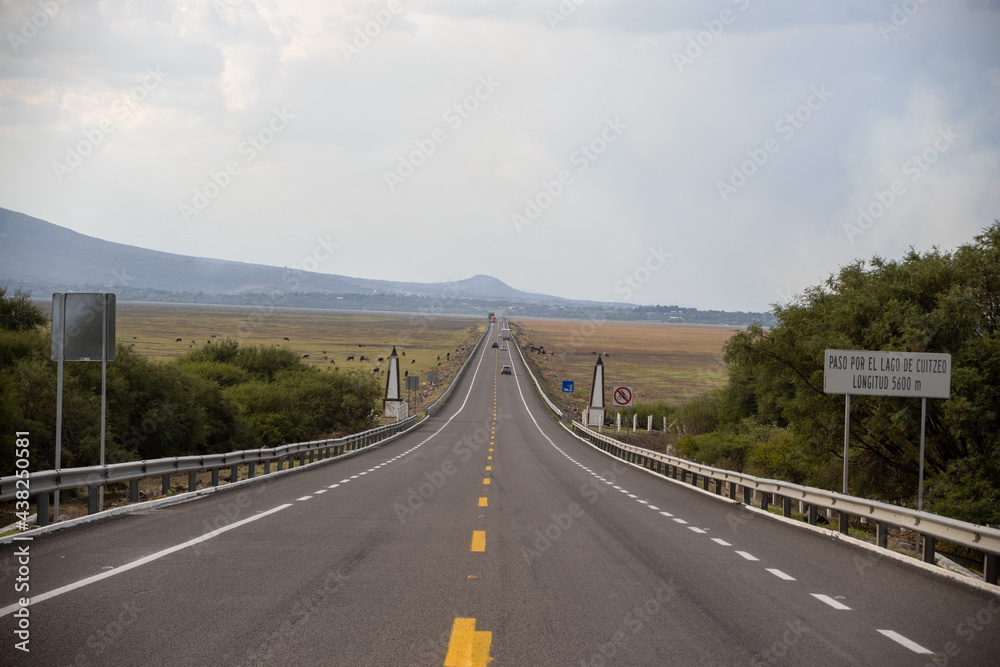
(449, 356)
(285, 338)
(179, 340)
(323, 351)
(363, 358)
(404, 353)
(350, 358)
(381, 358)
(413, 361)
(305, 356)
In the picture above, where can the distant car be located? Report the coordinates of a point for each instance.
(503, 347)
(506, 370)
(495, 345)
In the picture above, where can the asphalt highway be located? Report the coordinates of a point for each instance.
(487, 534)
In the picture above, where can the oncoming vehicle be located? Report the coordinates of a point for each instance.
(495, 345)
(506, 370)
(503, 348)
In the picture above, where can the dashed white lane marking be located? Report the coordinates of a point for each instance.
(363, 473)
(35, 599)
(354, 476)
(344, 481)
(748, 556)
(632, 495)
(653, 507)
(721, 542)
(666, 513)
(680, 521)
(830, 601)
(908, 643)
(303, 498)
(316, 493)
(696, 530)
(644, 502)
(780, 575)
(333, 486)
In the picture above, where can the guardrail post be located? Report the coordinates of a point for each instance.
(694, 479)
(165, 484)
(92, 498)
(215, 476)
(43, 509)
(747, 495)
(845, 522)
(251, 470)
(764, 500)
(812, 515)
(929, 544)
(133, 490)
(732, 490)
(192, 480)
(882, 534)
(786, 507)
(279, 462)
(991, 568)
(267, 467)
(707, 480)
(718, 487)
(234, 473)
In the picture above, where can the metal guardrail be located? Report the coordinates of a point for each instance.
(931, 526)
(439, 403)
(41, 483)
(538, 386)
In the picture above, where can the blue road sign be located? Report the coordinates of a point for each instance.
(567, 386)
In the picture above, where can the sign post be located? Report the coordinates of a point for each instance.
(908, 374)
(567, 388)
(83, 329)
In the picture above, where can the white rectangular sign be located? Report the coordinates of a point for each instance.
(866, 373)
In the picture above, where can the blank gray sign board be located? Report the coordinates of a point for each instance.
(78, 326)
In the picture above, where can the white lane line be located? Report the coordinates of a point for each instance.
(666, 513)
(35, 599)
(363, 473)
(644, 502)
(696, 530)
(908, 643)
(316, 493)
(354, 476)
(721, 541)
(333, 486)
(748, 556)
(623, 490)
(780, 575)
(632, 495)
(653, 507)
(344, 481)
(830, 601)
(303, 498)
(616, 487)
(680, 521)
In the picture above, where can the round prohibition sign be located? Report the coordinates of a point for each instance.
(623, 396)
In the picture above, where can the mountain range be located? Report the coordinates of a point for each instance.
(42, 258)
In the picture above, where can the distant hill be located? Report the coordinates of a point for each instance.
(42, 257)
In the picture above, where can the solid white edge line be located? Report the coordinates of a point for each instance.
(908, 643)
(35, 599)
(830, 601)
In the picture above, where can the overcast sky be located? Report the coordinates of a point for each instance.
(713, 154)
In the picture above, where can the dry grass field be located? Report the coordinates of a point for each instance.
(668, 363)
(328, 337)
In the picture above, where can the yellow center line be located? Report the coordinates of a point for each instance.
(478, 540)
(489, 467)
(483, 502)
(468, 647)
(486, 480)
